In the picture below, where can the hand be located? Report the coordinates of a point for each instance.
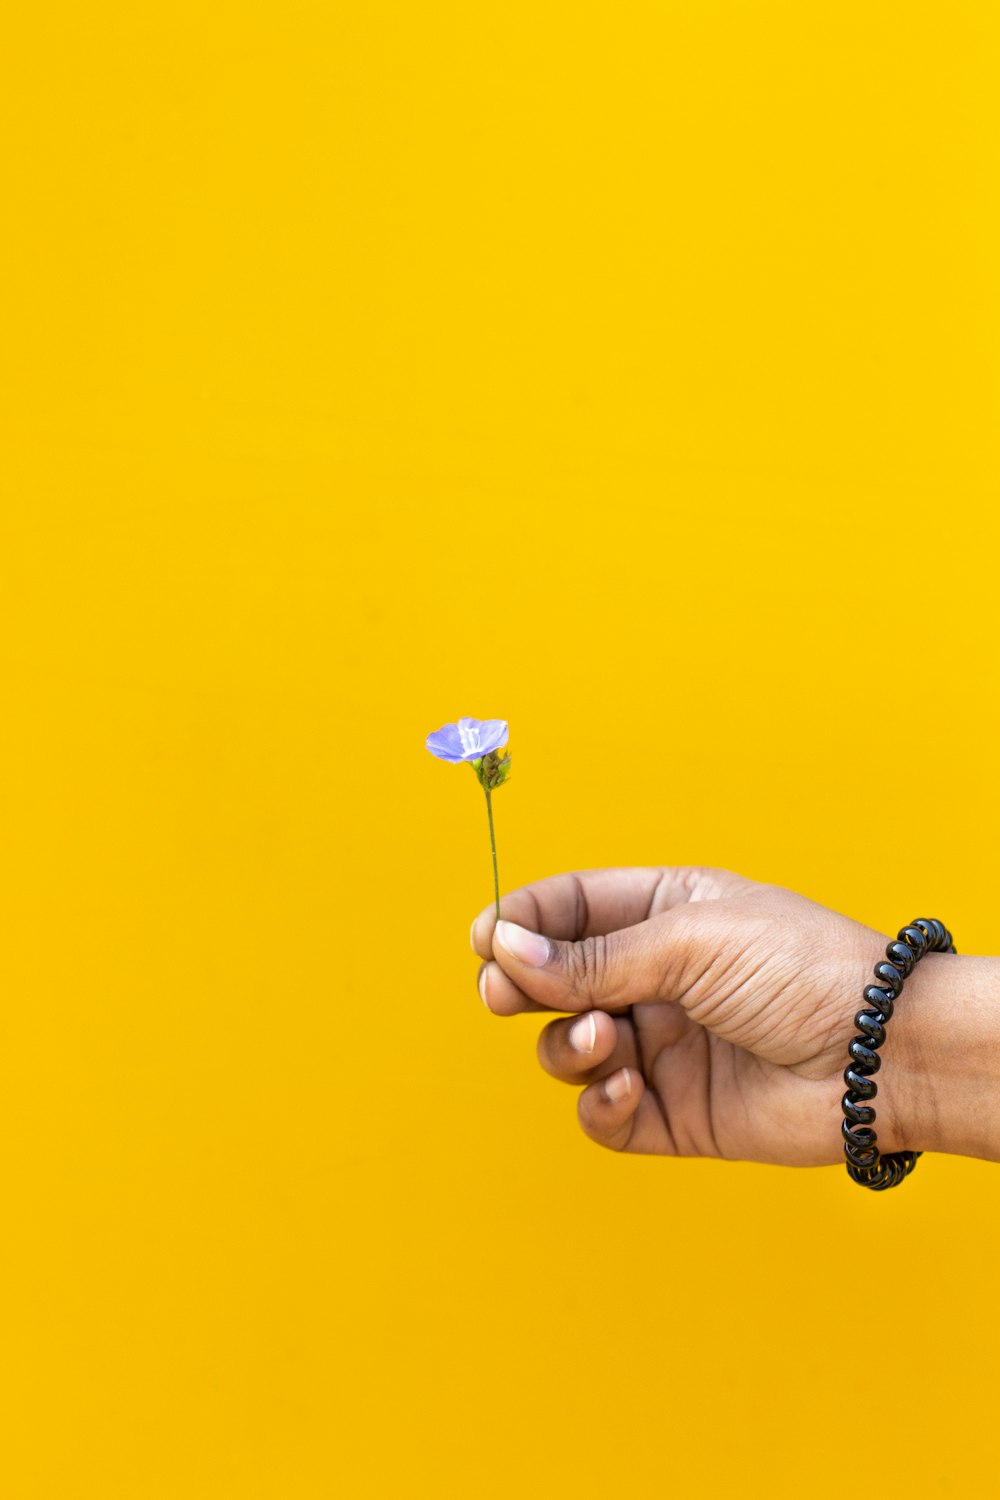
(712, 1014)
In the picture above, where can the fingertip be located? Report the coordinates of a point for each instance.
(619, 1086)
(593, 1034)
(582, 1034)
(531, 949)
(500, 994)
(606, 1109)
(481, 935)
(572, 1048)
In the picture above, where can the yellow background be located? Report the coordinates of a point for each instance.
(627, 371)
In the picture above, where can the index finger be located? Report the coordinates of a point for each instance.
(590, 903)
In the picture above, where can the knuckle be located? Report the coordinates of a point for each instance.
(590, 1129)
(587, 963)
(685, 940)
(546, 1048)
(555, 1055)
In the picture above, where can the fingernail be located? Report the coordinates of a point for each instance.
(583, 1033)
(482, 986)
(472, 934)
(529, 947)
(619, 1085)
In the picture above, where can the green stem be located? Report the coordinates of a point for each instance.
(493, 846)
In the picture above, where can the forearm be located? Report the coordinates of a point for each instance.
(941, 1064)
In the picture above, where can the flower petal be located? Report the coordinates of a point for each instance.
(446, 743)
(492, 735)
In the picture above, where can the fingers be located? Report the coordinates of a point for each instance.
(587, 903)
(500, 994)
(619, 1114)
(617, 1109)
(595, 1048)
(605, 971)
(585, 1048)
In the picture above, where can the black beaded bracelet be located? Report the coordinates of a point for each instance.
(865, 1164)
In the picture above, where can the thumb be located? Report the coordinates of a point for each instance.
(605, 972)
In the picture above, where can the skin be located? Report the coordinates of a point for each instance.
(705, 1014)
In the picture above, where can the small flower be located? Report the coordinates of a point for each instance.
(469, 739)
(479, 742)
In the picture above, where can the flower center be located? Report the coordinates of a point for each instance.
(469, 738)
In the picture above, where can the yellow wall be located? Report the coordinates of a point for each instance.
(629, 371)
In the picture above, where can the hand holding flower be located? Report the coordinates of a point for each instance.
(710, 1016)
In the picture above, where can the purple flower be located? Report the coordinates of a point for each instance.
(469, 739)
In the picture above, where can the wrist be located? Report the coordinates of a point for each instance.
(942, 1063)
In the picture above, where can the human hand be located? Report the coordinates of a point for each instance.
(716, 1012)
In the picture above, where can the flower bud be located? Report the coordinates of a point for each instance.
(492, 770)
